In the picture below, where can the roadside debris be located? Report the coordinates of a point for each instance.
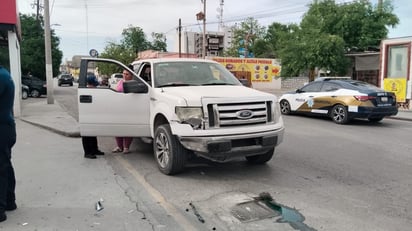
(99, 205)
(199, 217)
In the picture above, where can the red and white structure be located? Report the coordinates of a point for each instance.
(10, 37)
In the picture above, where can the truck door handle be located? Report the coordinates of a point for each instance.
(86, 99)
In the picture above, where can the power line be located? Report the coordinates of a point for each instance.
(273, 13)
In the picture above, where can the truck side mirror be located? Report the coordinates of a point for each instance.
(134, 86)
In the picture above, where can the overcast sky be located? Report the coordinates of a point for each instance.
(89, 24)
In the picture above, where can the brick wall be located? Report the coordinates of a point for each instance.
(294, 82)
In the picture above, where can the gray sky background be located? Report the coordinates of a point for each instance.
(89, 24)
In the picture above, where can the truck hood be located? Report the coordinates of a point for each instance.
(194, 95)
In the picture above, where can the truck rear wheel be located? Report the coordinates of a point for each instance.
(170, 155)
(261, 159)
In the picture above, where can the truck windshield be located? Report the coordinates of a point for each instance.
(185, 73)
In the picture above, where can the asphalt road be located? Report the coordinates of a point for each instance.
(339, 177)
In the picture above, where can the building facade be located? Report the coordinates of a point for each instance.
(396, 69)
(192, 43)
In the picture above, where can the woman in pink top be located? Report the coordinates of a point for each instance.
(123, 143)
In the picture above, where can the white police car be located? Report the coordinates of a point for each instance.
(341, 100)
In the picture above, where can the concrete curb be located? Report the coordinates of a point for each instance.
(74, 134)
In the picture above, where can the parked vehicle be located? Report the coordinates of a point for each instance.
(114, 79)
(187, 107)
(341, 100)
(37, 87)
(24, 91)
(65, 79)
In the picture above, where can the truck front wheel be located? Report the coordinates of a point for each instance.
(170, 155)
(261, 159)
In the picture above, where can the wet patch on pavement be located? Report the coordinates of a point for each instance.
(264, 206)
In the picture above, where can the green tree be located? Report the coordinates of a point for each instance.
(329, 30)
(245, 36)
(118, 52)
(33, 49)
(272, 42)
(159, 42)
(360, 24)
(133, 40)
(304, 52)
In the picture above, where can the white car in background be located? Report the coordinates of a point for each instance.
(114, 79)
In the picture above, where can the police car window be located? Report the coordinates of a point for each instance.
(312, 87)
(327, 86)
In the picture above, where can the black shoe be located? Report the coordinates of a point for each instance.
(3, 216)
(12, 206)
(90, 156)
(99, 153)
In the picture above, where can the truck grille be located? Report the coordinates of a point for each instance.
(239, 114)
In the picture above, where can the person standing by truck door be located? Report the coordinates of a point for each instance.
(123, 143)
(90, 142)
(7, 141)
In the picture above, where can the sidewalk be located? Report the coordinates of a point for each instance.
(49, 116)
(58, 189)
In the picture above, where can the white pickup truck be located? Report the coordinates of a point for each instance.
(186, 106)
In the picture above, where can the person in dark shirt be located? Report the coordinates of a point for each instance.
(7, 141)
(90, 142)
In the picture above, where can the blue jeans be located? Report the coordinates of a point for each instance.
(7, 178)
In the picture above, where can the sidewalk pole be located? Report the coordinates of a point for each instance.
(47, 44)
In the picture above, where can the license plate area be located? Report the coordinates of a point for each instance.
(384, 99)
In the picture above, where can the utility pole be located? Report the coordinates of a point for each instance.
(380, 6)
(87, 26)
(38, 9)
(180, 38)
(220, 16)
(204, 29)
(47, 45)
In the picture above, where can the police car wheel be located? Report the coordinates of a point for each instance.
(285, 107)
(339, 114)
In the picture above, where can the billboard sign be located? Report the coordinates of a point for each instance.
(259, 70)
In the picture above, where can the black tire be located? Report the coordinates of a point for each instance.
(376, 119)
(71, 84)
(35, 93)
(339, 114)
(261, 159)
(24, 94)
(284, 107)
(169, 154)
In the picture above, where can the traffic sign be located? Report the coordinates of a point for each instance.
(93, 53)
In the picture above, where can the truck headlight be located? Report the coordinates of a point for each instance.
(190, 115)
